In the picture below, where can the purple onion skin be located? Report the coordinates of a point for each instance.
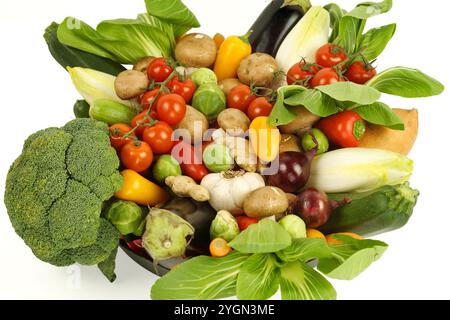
(294, 171)
(314, 207)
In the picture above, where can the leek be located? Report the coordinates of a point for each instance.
(310, 33)
(94, 85)
(359, 170)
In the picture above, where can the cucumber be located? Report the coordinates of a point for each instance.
(81, 109)
(372, 213)
(111, 112)
(71, 57)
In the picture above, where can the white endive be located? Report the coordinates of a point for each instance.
(94, 85)
(310, 33)
(359, 170)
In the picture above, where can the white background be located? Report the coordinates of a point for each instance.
(37, 93)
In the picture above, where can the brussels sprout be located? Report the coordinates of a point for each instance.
(166, 166)
(204, 76)
(224, 226)
(166, 235)
(210, 100)
(294, 225)
(217, 158)
(126, 216)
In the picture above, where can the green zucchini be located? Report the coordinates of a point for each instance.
(71, 57)
(111, 112)
(383, 210)
(81, 109)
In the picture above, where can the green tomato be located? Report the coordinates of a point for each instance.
(210, 100)
(217, 158)
(81, 109)
(294, 225)
(204, 76)
(126, 216)
(166, 166)
(309, 144)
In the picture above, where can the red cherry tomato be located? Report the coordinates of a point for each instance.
(330, 55)
(244, 222)
(171, 108)
(159, 137)
(185, 88)
(240, 97)
(159, 70)
(148, 98)
(301, 72)
(137, 156)
(192, 166)
(142, 120)
(324, 77)
(116, 132)
(360, 73)
(345, 129)
(259, 107)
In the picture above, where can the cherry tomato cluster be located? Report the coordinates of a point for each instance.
(243, 98)
(332, 65)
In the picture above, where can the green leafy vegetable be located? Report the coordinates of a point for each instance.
(200, 278)
(259, 278)
(314, 101)
(301, 282)
(351, 258)
(367, 10)
(264, 237)
(406, 82)
(349, 30)
(349, 91)
(305, 250)
(375, 41)
(380, 114)
(336, 14)
(70, 57)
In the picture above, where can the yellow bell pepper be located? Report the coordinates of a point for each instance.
(231, 52)
(265, 139)
(140, 190)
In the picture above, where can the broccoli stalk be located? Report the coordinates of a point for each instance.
(55, 192)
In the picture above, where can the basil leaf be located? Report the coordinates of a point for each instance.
(280, 114)
(380, 114)
(267, 236)
(314, 101)
(336, 14)
(367, 10)
(305, 250)
(375, 41)
(259, 278)
(351, 258)
(406, 82)
(349, 91)
(200, 278)
(301, 282)
(173, 11)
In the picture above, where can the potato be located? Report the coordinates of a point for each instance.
(196, 50)
(191, 120)
(233, 121)
(379, 137)
(142, 64)
(289, 142)
(303, 122)
(266, 202)
(130, 84)
(228, 84)
(258, 69)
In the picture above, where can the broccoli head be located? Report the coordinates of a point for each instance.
(56, 189)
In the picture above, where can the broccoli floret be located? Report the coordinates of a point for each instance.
(56, 189)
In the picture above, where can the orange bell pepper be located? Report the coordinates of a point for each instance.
(137, 189)
(264, 139)
(231, 52)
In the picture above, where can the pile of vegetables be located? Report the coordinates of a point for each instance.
(249, 163)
